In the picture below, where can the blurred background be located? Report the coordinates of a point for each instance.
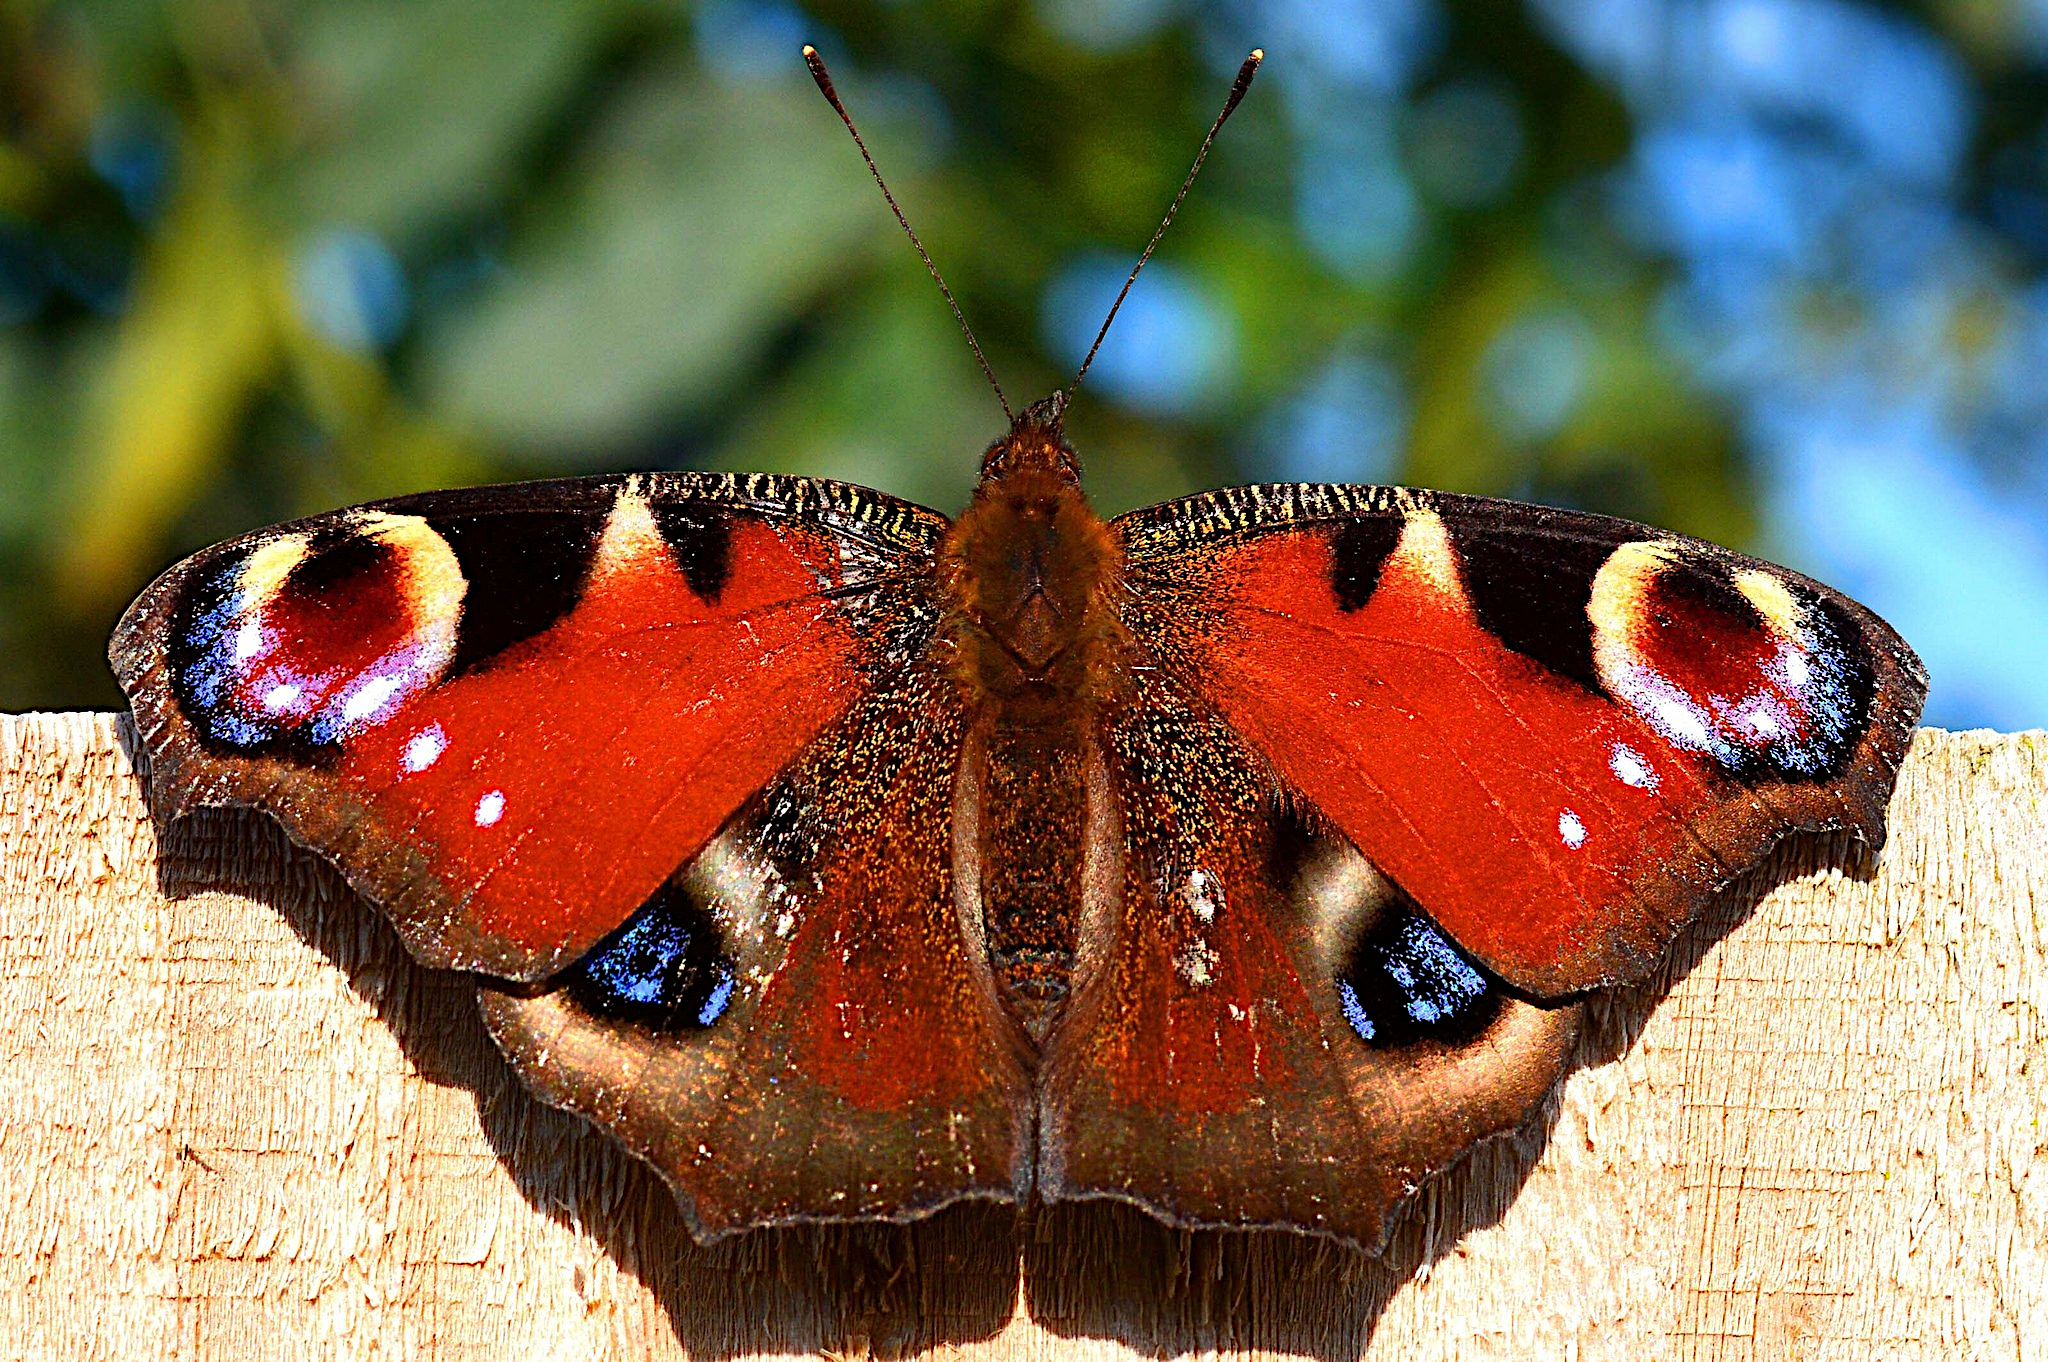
(1767, 271)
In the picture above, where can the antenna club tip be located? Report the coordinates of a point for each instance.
(1258, 55)
(816, 64)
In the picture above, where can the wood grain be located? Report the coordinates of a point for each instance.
(237, 1122)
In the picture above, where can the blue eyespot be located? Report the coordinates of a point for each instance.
(1406, 982)
(665, 968)
(202, 656)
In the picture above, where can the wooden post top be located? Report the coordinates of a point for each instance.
(236, 1121)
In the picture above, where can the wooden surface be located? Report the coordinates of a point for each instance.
(236, 1123)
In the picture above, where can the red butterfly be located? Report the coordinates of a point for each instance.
(1241, 857)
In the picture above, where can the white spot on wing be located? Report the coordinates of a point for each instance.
(1668, 709)
(1572, 829)
(1203, 894)
(1425, 551)
(1757, 715)
(281, 697)
(423, 749)
(490, 808)
(372, 695)
(1630, 768)
(1196, 963)
(630, 534)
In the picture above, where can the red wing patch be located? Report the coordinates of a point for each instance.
(1559, 733)
(511, 714)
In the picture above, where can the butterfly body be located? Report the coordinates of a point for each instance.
(1029, 576)
(1242, 858)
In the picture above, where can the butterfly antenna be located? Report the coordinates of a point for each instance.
(1237, 89)
(824, 79)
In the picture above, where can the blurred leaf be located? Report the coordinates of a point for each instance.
(703, 214)
(196, 342)
(1454, 446)
(1290, 310)
(1130, 463)
(1642, 413)
(416, 111)
(31, 438)
(22, 182)
(1634, 437)
(381, 447)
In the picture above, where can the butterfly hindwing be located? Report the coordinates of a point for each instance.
(509, 714)
(793, 1030)
(1559, 733)
(1272, 1036)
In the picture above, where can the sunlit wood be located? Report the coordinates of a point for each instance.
(237, 1122)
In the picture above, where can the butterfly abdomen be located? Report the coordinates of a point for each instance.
(1030, 850)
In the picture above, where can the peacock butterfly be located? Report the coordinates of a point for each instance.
(1243, 858)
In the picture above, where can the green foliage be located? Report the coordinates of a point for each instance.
(619, 247)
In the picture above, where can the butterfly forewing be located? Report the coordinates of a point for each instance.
(509, 714)
(1559, 733)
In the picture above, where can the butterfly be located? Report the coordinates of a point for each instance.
(1245, 858)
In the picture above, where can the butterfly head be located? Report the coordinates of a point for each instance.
(1037, 442)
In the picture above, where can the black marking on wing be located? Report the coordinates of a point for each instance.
(699, 539)
(1358, 551)
(525, 568)
(1529, 587)
(1705, 587)
(335, 558)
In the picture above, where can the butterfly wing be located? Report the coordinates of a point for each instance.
(1273, 1035)
(1393, 764)
(831, 1055)
(509, 713)
(550, 728)
(1559, 733)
